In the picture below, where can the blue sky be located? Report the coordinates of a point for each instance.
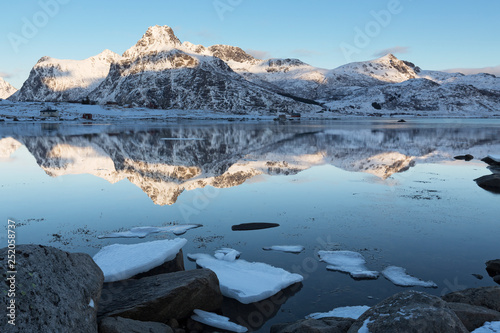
(324, 33)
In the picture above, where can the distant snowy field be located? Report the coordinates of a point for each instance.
(30, 111)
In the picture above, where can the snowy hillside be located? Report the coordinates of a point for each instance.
(162, 72)
(65, 80)
(6, 90)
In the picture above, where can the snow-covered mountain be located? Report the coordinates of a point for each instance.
(65, 80)
(160, 71)
(6, 89)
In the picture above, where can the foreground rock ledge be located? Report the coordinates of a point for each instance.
(410, 311)
(124, 325)
(53, 290)
(162, 297)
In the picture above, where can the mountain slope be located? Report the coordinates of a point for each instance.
(6, 89)
(65, 80)
(159, 71)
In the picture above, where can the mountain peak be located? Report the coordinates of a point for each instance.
(6, 89)
(156, 39)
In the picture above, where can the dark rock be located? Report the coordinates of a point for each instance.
(53, 290)
(493, 267)
(324, 325)
(490, 161)
(401, 121)
(174, 265)
(410, 311)
(162, 297)
(489, 183)
(254, 226)
(125, 325)
(467, 157)
(473, 316)
(488, 297)
(478, 276)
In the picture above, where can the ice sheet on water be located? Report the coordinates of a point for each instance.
(245, 281)
(285, 248)
(142, 232)
(227, 254)
(217, 321)
(398, 276)
(122, 261)
(347, 262)
(489, 327)
(353, 312)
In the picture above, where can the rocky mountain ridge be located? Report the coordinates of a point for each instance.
(160, 71)
(6, 89)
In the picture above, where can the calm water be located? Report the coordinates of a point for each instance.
(391, 191)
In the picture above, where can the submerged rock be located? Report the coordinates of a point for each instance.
(125, 325)
(324, 325)
(467, 157)
(254, 226)
(162, 297)
(488, 297)
(409, 311)
(55, 291)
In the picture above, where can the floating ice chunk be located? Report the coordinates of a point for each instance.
(217, 321)
(398, 276)
(285, 248)
(142, 232)
(227, 254)
(353, 312)
(495, 157)
(489, 327)
(122, 261)
(245, 281)
(347, 262)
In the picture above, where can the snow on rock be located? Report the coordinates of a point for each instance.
(347, 262)
(285, 248)
(398, 276)
(245, 281)
(495, 157)
(91, 303)
(217, 321)
(353, 312)
(142, 232)
(6, 89)
(227, 254)
(65, 80)
(120, 261)
(489, 327)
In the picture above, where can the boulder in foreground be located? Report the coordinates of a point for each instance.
(55, 291)
(124, 325)
(409, 311)
(162, 297)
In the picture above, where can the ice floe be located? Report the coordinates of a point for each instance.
(245, 281)
(122, 261)
(353, 312)
(347, 262)
(285, 248)
(217, 321)
(398, 276)
(227, 254)
(489, 327)
(142, 232)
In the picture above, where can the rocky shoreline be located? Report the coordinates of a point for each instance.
(57, 291)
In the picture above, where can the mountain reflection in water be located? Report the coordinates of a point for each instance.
(164, 162)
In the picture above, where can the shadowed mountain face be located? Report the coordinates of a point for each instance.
(165, 162)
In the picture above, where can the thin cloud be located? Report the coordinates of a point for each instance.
(258, 54)
(205, 34)
(395, 49)
(467, 71)
(5, 75)
(305, 52)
